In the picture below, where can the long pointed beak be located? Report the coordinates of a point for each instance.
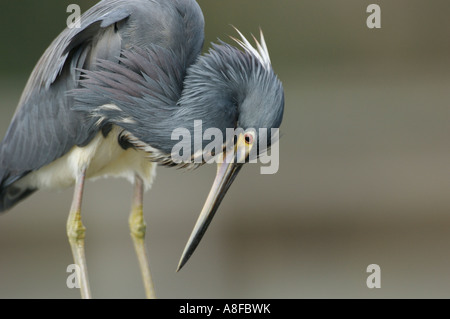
(226, 173)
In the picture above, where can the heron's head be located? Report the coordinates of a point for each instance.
(237, 92)
(236, 89)
(260, 101)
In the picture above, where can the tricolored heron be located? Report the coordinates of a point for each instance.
(105, 99)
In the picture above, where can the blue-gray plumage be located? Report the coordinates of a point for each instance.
(226, 88)
(45, 125)
(104, 99)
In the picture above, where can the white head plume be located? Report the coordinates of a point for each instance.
(260, 52)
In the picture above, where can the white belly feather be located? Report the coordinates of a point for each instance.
(103, 157)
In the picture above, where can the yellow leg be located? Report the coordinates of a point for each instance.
(137, 230)
(76, 234)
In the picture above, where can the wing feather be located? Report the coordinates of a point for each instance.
(46, 125)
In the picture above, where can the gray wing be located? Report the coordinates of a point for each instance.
(45, 126)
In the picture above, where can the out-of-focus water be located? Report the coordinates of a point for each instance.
(363, 179)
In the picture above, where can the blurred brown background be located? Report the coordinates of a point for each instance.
(364, 175)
